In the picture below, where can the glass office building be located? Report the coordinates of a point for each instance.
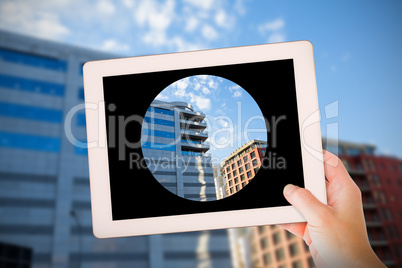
(174, 133)
(44, 185)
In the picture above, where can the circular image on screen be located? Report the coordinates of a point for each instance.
(203, 138)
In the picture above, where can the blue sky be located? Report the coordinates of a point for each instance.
(356, 43)
(232, 115)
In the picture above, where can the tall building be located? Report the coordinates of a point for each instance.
(380, 181)
(241, 166)
(174, 132)
(262, 246)
(44, 185)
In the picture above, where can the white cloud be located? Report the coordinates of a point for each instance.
(205, 90)
(202, 103)
(114, 46)
(157, 18)
(105, 7)
(161, 96)
(203, 4)
(191, 24)
(276, 38)
(209, 32)
(236, 91)
(274, 29)
(275, 25)
(182, 84)
(222, 19)
(21, 17)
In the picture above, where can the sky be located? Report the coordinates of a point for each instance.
(356, 45)
(232, 115)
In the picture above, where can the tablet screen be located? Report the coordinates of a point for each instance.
(159, 161)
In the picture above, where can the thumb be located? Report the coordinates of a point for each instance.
(308, 205)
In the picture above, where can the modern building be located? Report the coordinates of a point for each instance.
(262, 246)
(44, 185)
(175, 133)
(241, 166)
(380, 181)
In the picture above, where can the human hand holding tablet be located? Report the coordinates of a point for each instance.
(134, 201)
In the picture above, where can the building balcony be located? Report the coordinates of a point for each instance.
(373, 224)
(192, 115)
(378, 243)
(356, 172)
(369, 206)
(194, 134)
(188, 124)
(193, 145)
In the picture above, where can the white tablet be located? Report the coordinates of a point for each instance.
(152, 138)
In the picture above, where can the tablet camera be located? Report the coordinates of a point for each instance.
(203, 138)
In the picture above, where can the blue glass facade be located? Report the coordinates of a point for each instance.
(44, 181)
(31, 85)
(33, 60)
(29, 142)
(30, 112)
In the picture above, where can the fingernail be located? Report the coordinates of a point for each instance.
(289, 189)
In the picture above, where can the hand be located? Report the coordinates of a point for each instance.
(336, 233)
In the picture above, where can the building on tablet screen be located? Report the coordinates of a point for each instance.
(262, 246)
(44, 186)
(174, 134)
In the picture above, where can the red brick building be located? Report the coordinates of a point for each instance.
(270, 246)
(380, 181)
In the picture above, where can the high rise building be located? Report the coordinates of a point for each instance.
(262, 246)
(44, 185)
(174, 132)
(241, 166)
(380, 181)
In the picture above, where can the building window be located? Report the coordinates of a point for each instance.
(230, 183)
(234, 173)
(289, 235)
(277, 238)
(252, 155)
(239, 163)
(242, 177)
(227, 169)
(294, 249)
(255, 162)
(247, 166)
(267, 259)
(264, 243)
(231, 190)
(233, 166)
(244, 184)
(297, 264)
(245, 159)
(249, 174)
(237, 188)
(240, 169)
(236, 180)
(229, 176)
(261, 229)
(280, 254)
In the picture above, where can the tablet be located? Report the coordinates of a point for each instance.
(155, 126)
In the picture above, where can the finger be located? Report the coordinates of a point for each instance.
(334, 168)
(303, 200)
